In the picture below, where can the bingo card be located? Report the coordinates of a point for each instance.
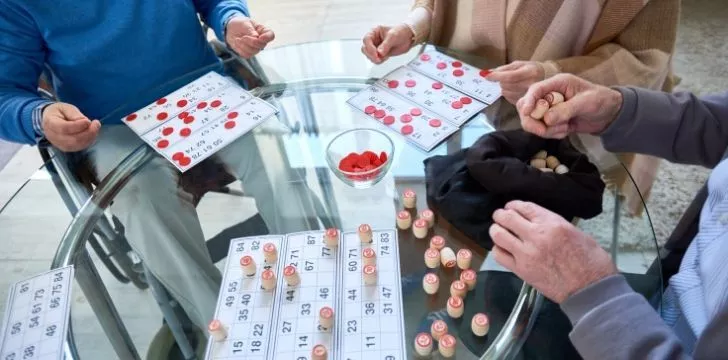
(285, 322)
(36, 318)
(427, 100)
(197, 120)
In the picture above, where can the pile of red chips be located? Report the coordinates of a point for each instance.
(364, 162)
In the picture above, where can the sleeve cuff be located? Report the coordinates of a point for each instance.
(221, 32)
(614, 134)
(419, 22)
(577, 306)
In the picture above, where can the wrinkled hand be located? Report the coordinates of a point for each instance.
(67, 128)
(547, 251)
(516, 77)
(588, 108)
(382, 42)
(246, 37)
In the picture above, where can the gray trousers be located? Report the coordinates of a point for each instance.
(161, 221)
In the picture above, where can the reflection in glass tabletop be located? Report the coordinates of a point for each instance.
(275, 180)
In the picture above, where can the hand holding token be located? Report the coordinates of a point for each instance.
(516, 77)
(247, 37)
(587, 108)
(384, 41)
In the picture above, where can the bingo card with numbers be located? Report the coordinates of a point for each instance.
(284, 323)
(36, 317)
(197, 120)
(429, 99)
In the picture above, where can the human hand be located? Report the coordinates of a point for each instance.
(547, 251)
(67, 128)
(383, 42)
(516, 77)
(588, 108)
(246, 37)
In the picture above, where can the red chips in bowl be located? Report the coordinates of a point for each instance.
(362, 163)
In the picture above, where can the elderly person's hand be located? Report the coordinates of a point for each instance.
(588, 108)
(516, 77)
(546, 251)
(247, 37)
(382, 42)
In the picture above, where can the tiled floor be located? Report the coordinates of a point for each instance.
(29, 233)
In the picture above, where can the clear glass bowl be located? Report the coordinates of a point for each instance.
(358, 141)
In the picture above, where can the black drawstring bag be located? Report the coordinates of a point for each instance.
(466, 187)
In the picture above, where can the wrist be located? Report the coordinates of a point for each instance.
(614, 106)
(37, 118)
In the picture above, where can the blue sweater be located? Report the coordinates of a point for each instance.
(99, 53)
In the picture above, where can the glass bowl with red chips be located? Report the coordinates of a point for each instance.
(360, 157)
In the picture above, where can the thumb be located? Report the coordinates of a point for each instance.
(561, 113)
(386, 45)
(247, 28)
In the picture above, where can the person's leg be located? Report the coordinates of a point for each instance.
(161, 224)
(283, 199)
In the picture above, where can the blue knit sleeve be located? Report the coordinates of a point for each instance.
(22, 57)
(216, 13)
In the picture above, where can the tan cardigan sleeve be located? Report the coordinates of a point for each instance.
(638, 56)
(427, 4)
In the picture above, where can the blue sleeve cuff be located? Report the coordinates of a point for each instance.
(37, 120)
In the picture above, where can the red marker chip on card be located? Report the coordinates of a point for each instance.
(437, 85)
(202, 105)
(216, 103)
(183, 115)
(167, 131)
(388, 120)
(161, 101)
(407, 129)
(466, 100)
(425, 57)
(379, 114)
(435, 123)
(232, 115)
(185, 132)
(162, 116)
(230, 124)
(410, 83)
(415, 112)
(484, 72)
(178, 156)
(162, 144)
(131, 117)
(456, 105)
(457, 72)
(457, 64)
(185, 161)
(441, 65)
(393, 84)
(370, 109)
(189, 119)
(182, 103)
(405, 118)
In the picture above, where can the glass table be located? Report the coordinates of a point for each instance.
(284, 173)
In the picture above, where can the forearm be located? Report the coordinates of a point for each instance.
(610, 321)
(677, 127)
(20, 116)
(216, 13)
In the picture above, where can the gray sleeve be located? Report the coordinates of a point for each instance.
(678, 127)
(613, 322)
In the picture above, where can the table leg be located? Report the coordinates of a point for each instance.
(615, 227)
(517, 327)
(98, 297)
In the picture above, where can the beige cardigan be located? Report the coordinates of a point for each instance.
(609, 42)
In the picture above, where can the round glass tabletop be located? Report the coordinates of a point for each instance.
(143, 218)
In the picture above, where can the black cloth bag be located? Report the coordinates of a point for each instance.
(466, 187)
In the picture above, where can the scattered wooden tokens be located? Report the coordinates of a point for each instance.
(538, 163)
(369, 256)
(423, 344)
(447, 257)
(331, 238)
(409, 199)
(546, 170)
(319, 352)
(326, 317)
(370, 274)
(248, 265)
(270, 253)
(542, 106)
(217, 330)
(430, 283)
(480, 324)
(552, 162)
(420, 228)
(365, 233)
(554, 98)
(429, 216)
(463, 258)
(291, 275)
(268, 279)
(404, 220)
(432, 258)
(458, 288)
(561, 169)
(438, 329)
(455, 306)
(437, 242)
(447, 346)
(541, 155)
(469, 277)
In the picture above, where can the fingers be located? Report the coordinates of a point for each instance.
(527, 210)
(512, 76)
(369, 48)
(504, 258)
(505, 239)
(244, 50)
(562, 113)
(386, 46)
(249, 28)
(267, 35)
(512, 66)
(254, 42)
(512, 221)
